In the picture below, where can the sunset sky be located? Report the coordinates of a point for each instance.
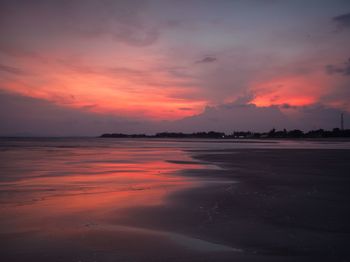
(86, 67)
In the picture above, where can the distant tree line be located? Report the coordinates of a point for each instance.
(319, 133)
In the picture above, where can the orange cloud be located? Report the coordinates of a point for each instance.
(292, 90)
(109, 90)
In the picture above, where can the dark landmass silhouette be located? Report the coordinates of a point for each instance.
(295, 133)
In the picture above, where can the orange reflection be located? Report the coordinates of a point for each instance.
(75, 186)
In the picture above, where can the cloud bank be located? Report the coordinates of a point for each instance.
(200, 64)
(23, 116)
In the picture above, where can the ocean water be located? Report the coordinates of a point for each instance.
(54, 191)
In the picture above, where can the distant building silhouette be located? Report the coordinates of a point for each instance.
(273, 133)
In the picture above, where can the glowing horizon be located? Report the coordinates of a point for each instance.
(166, 60)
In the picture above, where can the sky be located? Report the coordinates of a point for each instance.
(89, 67)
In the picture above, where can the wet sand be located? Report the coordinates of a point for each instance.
(217, 205)
(286, 205)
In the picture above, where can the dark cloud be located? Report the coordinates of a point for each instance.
(185, 108)
(287, 106)
(207, 59)
(342, 21)
(231, 116)
(25, 116)
(343, 69)
(11, 70)
(122, 20)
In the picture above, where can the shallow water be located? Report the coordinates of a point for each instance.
(50, 181)
(55, 191)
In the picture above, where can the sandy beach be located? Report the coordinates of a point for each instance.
(211, 204)
(282, 205)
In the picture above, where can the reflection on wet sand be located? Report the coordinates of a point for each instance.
(56, 195)
(142, 200)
